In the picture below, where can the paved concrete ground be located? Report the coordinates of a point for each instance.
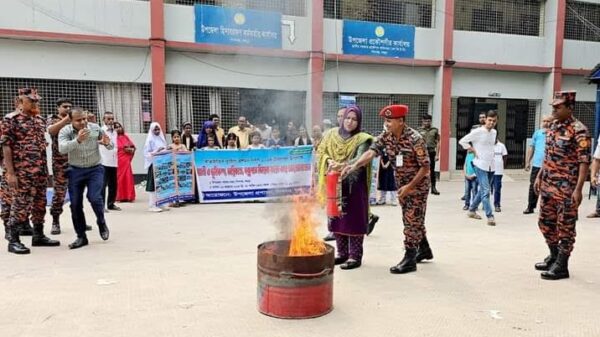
(192, 272)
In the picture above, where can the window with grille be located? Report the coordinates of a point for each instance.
(130, 102)
(371, 104)
(194, 104)
(582, 21)
(408, 12)
(585, 112)
(519, 17)
(286, 7)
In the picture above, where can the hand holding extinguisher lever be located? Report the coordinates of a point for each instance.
(362, 161)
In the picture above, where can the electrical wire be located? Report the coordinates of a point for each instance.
(252, 74)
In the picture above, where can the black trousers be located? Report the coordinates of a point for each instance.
(110, 181)
(432, 168)
(533, 197)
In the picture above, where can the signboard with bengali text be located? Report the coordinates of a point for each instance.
(378, 39)
(256, 174)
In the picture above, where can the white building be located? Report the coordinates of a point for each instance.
(140, 60)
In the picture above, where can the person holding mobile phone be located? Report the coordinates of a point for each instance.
(81, 141)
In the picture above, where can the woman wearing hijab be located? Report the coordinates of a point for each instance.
(341, 148)
(155, 143)
(208, 128)
(125, 152)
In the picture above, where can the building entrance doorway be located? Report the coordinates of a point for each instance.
(514, 119)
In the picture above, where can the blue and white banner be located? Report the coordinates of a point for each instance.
(164, 178)
(256, 174)
(184, 165)
(237, 27)
(378, 39)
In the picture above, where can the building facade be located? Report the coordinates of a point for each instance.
(141, 60)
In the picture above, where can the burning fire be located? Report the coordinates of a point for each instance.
(305, 241)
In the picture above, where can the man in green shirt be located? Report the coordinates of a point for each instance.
(432, 139)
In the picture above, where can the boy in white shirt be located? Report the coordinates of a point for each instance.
(500, 156)
(481, 142)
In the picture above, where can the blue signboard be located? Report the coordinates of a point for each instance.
(378, 39)
(238, 27)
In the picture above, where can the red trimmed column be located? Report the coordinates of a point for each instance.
(561, 13)
(157, 54)
(447, 87)
(316, 63)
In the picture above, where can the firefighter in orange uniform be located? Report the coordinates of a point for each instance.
(559, 184)
(408, 149)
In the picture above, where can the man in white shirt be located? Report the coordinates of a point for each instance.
(481, 142)
(500, 156)
(594, 178)
(109, 161)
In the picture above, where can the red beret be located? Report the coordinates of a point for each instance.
(394, 111)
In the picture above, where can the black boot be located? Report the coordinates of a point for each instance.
(372, 222)
(549, 260)
(55, 225)
(41, 240)
(424, 251)
(26, 229)
(559, 270)
(408, 263)
(14, 244)
(434, 191)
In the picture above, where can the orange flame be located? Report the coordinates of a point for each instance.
(305, 241)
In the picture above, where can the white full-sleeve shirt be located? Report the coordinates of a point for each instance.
(483, 141)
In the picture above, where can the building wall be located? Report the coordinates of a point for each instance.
(122, 18)
(128, 19)
(54, 60)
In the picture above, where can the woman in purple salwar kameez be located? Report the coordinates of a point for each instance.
(337, 150)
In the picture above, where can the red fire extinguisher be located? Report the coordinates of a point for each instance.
(333, 194)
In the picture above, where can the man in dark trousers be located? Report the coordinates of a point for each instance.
(81, 141)
(24, 150)
(534, 159)
(408, 150)
(109, 162)
(432, 139)
(560, 182)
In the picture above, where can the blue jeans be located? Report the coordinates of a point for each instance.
(497, 189)
(484, 178)
(470, 190)
(91, 178)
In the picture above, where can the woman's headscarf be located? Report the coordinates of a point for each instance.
(203, 136)
(153, 142)
(342, 130)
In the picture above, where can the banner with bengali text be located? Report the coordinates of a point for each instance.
(173, 177)
(256, 174)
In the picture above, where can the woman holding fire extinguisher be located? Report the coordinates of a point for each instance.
(347, 199)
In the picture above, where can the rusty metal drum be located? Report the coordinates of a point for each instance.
(294, 286)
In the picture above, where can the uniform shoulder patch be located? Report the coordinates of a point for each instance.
(584, 143)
